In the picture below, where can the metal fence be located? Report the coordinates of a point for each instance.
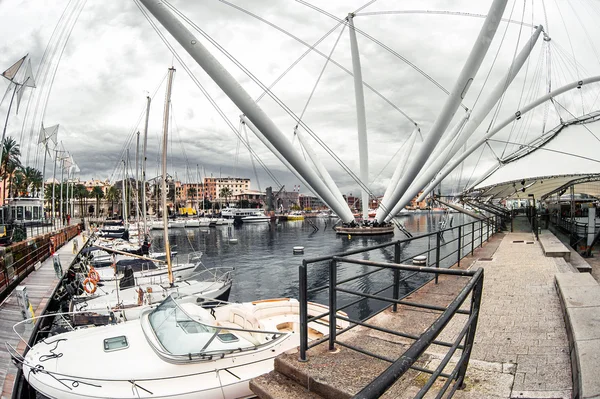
(470, 236)
(19, 259)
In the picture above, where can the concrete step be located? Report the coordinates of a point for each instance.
(553, 247)
(275, 385)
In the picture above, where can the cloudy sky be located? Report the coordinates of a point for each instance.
(113, 59)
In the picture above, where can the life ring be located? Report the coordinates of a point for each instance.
(89, 285)
(93, 275)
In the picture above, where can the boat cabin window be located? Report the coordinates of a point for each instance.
(115, 343)
(181, 332)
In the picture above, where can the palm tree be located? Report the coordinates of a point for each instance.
(113, 194)
(32, 180)
(225, 193)
(80, 192)
(98, 194)
(9, 163)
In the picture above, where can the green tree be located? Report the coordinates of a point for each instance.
(113, 194)
(225, 193)
(10, 162)
(98, 194)
(32, 180)
(80, 193)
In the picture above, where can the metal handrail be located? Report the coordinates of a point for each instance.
(479, 232)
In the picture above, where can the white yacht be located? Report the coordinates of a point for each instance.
(178, 349)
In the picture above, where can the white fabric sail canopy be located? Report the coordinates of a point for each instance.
(572, 154)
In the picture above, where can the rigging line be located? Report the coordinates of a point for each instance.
(252, 160)
(391, 159)
(583, 124)
(237, 150)
(384, 46)
(310, 49)
(572, 50)
(364, 6)
(587, 34)
(551, 150)
(322, 72)
(43, 62)
(135, 126)
(45, 106)
(526, 72)
(276, 99)
(531, 94)
(53, 46)
(202, 89)
(440, 12)
(496, 57)
(475, 168)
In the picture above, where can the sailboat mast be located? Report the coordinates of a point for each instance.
(164, 174)
(54, 185)
(137, 182)
(144, 211)
(197, 191)
(123, 188)
(62, 177)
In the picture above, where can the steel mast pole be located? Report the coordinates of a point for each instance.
(144, 158)
(54, 186)
(361, 118)
(137, 183)
(244, 102)
(164, 174)
(461, 87)
(62, 174)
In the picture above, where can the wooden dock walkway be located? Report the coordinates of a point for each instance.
(40, 286)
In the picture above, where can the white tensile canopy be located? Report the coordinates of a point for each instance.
(571, 156)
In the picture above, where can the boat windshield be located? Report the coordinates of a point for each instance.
(182, 332)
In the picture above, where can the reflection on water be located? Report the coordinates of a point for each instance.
(267, 268)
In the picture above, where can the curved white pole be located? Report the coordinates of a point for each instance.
(320, 167)
(485, 175)
(446, 152)
(270, 146)
(361, 118)
(461, 87)
(517, 115)
(397, 173)
(244, 102)
(482, 111)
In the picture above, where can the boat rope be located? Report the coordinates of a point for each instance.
(203, 90)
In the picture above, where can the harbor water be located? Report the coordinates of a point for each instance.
(266, 267)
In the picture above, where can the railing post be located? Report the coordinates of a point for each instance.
(303, 294)
(459, 244)
(473, 238)
(489, 222)
(332, 303)
(470, 336)
(481, 233)
(438, 239)
(396, 289)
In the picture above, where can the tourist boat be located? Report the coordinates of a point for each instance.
(192, 222)
(177, 349)
(245, 215)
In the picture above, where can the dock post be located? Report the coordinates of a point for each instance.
(472, 238)
(396, 293)
(459, 244)
(303, 311)
(332, 303)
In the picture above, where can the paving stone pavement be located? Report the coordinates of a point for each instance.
(521, 320)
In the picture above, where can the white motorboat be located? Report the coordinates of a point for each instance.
(256, 218)
(178, 349)
(145, 271)
(192, 222)
(131, 298)
(177, 224)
